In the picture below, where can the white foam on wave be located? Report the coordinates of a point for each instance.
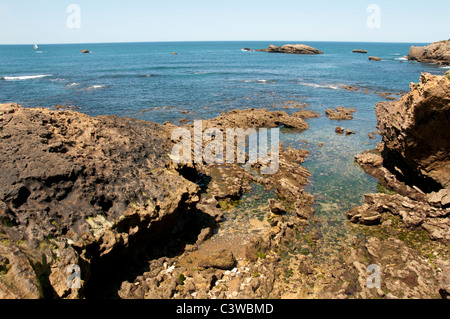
(73, 84)
(262, 81)
(96, 87)
(445, 67)
(320, 86)
(24, 77)
(401, 59)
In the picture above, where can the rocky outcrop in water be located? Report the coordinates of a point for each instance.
(415, 135)
(256, 118)
(340, 113)
(437, 53)
(412, 166)
(292, 49)
(413, 159)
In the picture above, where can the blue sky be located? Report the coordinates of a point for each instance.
(45, 21)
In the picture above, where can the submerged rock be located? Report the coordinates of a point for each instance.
(306, 114)
(340, 113)
(375, 58)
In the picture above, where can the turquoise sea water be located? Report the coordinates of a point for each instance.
(146, 81)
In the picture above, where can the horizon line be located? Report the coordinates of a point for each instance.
(190, 41)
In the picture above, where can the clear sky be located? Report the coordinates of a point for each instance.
(46, 21)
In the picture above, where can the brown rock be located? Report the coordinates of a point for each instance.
(256, 118)
(339, 130)
(276, 207)
(222, 259)
(306, 114)
(438, 53)
(374, 58)
(415, 133)
(292, 49)
(340, 113)
(359, 51)
(84, 182)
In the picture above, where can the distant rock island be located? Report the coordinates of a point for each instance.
(437, 53)
(359, 51)
(291, 49)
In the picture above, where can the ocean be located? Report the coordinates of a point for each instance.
(204, 79)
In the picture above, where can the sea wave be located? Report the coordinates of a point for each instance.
(24, 77)
(445, 67)
(96, 87)
(261, 81)
(401, 59)
(320, 86)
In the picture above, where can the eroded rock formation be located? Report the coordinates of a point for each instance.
(437, 53)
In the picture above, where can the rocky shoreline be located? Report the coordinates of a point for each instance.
(94, 192)
(105, 195)
(437, 53)
(412, 163)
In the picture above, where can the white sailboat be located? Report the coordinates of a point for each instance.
(35, 46)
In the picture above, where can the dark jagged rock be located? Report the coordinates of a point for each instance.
(415, 133)
(76, 189)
